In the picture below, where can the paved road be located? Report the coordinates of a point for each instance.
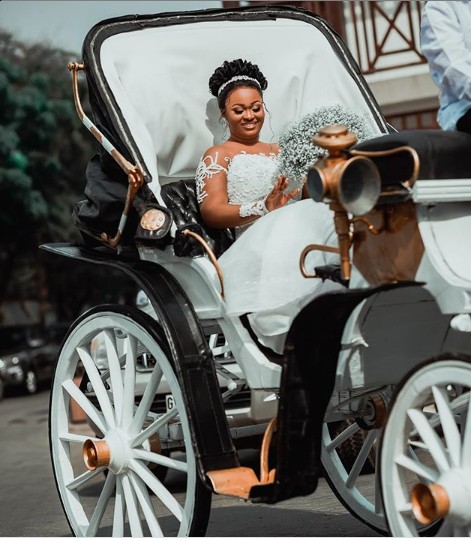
(30, 506)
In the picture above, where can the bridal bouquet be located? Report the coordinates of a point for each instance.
(298, 152)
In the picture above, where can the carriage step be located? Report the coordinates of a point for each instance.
(237, 481)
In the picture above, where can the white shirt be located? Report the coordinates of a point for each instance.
(446, 43)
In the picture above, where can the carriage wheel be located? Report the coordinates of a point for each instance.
(349, 461)
(425, 453)
(118, 403)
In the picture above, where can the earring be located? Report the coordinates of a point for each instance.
(223, 121)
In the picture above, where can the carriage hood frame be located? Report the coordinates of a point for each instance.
(108, 109)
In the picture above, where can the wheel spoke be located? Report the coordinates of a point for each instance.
(129, 381)
(343, 436)
(90, 410)
(83, 478)
(157, 488)
(101, 505)
(115, 373)
(379, 509)
(430, 438)
(405, 508)
(361, 458)
(153, 427)
(133, 511)
(98, 386)
(146, 401)
(118, 515)
(76, 438)
(450, 430)
(417, 444)
(466, 451)
(161, 460)
(423, 471)
(146, 505)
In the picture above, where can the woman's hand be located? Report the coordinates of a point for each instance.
(277, 198)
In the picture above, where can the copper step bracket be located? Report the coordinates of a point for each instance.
(239, 481)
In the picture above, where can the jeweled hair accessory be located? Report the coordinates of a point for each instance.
(237, 78)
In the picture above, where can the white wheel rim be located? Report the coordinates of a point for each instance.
(360, 494)
(124, 505)
(440, 436)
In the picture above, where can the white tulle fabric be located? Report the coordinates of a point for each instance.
(261, 269)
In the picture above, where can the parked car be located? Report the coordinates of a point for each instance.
(28, 355)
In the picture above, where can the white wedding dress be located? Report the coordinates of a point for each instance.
(261, 269)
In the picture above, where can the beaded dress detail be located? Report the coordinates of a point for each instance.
(250, 178)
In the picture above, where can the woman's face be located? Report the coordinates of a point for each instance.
(244, 113)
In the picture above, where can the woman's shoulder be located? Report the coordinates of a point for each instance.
(220, 154)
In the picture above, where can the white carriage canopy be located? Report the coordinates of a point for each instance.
(150, 76)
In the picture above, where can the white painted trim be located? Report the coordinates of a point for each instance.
(446, 190)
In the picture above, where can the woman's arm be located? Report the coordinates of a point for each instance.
(211, 188)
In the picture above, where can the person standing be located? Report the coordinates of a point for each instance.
(446, 43)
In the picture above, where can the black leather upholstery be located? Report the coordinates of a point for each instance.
(442, 154)
(180, 198)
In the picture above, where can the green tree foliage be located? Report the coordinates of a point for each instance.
(44, 150)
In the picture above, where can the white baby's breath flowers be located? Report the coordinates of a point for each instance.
(297, 151)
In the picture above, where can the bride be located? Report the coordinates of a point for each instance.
(238, 186)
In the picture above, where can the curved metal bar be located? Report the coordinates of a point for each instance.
(211, 256)
(267, 476)
(134, 172)
(311, 248)
(380, 153)
(371, 228)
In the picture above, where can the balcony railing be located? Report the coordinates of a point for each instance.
(386, 35)
(381, 35)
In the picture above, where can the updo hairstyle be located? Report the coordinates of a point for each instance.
(235, 68)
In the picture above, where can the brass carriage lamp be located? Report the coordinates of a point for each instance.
(349, 185)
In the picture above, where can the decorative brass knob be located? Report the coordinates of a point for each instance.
(96, 454)
(334, 138)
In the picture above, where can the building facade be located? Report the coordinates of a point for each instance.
(384, 38)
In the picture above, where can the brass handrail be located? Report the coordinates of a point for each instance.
(210, 253)
(134, 172)
(312, 248)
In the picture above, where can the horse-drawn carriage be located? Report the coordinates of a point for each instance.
(382, 362)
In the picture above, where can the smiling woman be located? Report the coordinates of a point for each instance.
(239, 185)
(228, 201)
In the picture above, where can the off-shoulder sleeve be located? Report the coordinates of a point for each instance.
(207, 168)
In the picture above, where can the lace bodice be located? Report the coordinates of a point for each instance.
(250, 178)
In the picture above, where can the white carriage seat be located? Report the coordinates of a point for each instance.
(155, 79)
